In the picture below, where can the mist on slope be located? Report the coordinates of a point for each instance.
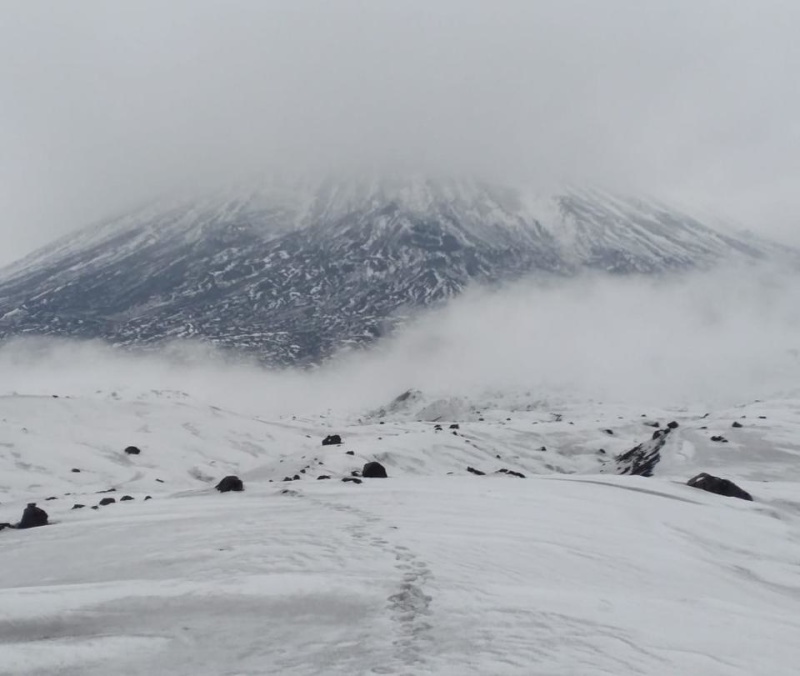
(722, 337)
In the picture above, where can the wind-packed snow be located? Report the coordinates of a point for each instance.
(571, 570)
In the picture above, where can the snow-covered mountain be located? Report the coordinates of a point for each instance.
(295, 271)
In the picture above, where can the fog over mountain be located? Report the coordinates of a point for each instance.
(105, 107)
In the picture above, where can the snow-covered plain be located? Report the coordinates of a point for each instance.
(572, 570)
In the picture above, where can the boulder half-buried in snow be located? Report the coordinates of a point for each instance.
(374, 470)
(33, 517)
(714, 484)
(230, 483)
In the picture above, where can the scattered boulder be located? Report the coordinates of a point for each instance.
(510, 472)
(714, 484)
(673, 425)
(230, 483)
(351, 479)
(94, 507)
(6, 525)
(148, 497)
(611, 432)
(332, 440)
(349, 452)
(53, 497)
(296, 477)
(322, 477)
(736, 424)
(75, 470)
(719, 439)
(374, 470)
(126, 498)
(161, 481)
(477, 472)
(456, 426)
(132, 450)
(33, 517)
(106, 501)
(77, 505)
(288, 478)
(437, 428)
(762, 417)
(110, 490)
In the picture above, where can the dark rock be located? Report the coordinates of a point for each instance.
(78, 506)
(714, 484)
(455, 432)
(374, 470)
(351, 479)
(296, 477)
(332, 440)
(510, 472)
(349, 452)
(736, 424)
(472, 470)
(719, 439)
(110, 490)
(125, 498)
(762, 417)
(132, 450)
(355, 472)
(148, 497)
(94, 506)
(543, 449)
(653, 424)
(288, 478)
(602, 451)
(673, 425)
(161, 481)
(609, 431)
(75, 470)
(51, 498)
(106, 501)
(321, 477)
(6, 525)
(32, 517)
(642, 459)
(455, 426)
(230, 483)
(437, 428)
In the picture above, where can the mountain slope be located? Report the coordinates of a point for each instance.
(296, 272)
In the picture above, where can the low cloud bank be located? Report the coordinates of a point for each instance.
(723, 337)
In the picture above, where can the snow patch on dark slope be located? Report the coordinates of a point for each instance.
(296, 272)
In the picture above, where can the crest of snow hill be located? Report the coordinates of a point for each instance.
(293, 273)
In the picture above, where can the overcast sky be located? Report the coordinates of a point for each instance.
(104, 103)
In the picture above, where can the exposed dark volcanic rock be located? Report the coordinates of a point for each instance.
(294, 272)
(642, 459)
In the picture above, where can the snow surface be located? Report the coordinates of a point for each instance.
(570, 571)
